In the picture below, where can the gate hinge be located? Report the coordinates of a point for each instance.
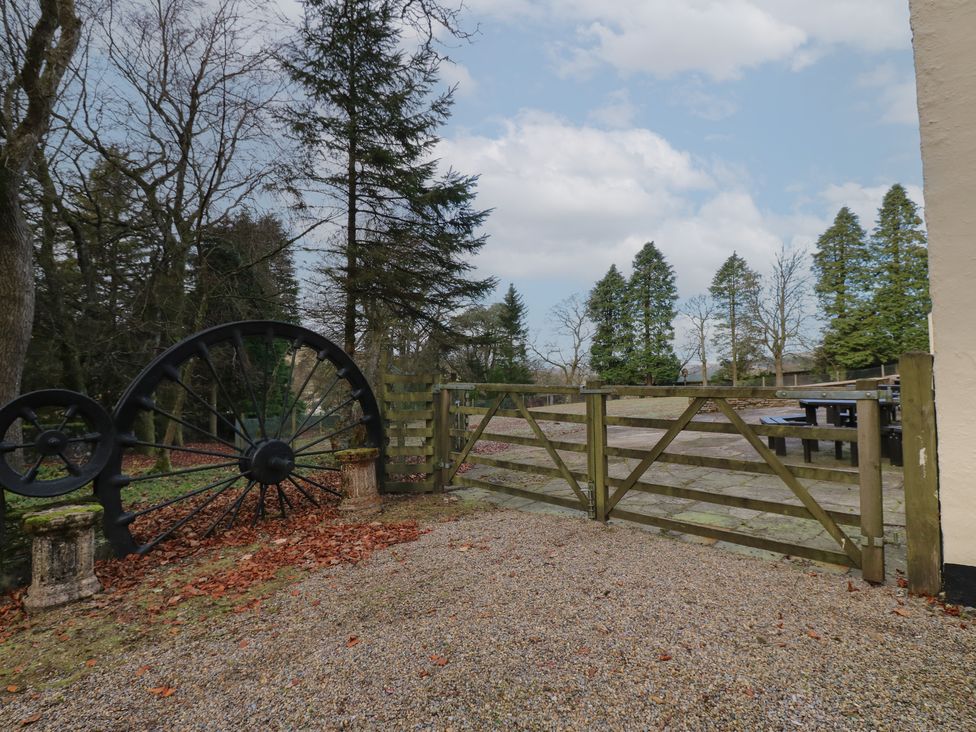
(591, 499)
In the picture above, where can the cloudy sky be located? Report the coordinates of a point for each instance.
(706, 126)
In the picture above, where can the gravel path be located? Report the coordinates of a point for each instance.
(511, 620)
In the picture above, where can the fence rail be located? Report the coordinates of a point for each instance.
(446, 429)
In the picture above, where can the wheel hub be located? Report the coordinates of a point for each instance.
(51, 442)
(268, 462)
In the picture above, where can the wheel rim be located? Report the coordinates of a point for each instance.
(52, 442)
(260, 407)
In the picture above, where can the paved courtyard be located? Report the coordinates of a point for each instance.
(839, 497)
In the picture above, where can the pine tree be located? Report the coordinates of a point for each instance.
(899, 267)
(733, 291)
(511, 361)
(368, 129)
(651, 295)
(612, 344)
(842, 286)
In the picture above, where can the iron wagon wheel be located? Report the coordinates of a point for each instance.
(52, 442)
(237, 422)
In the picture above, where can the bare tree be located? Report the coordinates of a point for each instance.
(700, 312)
(572, 325)
(36, 46)
(779, 306)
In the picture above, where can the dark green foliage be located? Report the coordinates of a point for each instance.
(651, 298)
(733, 290)
(367, 129)
(612, 347)
(899, 269)
(840, 264)
(511, 360)
(874, 293)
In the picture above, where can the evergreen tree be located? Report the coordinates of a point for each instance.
(733, 291)
(899, 267)
(651, 295)
(511, 361)
(612, 345)
(840, 264)
(368, 129)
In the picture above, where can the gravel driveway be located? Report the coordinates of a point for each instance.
(511, 620)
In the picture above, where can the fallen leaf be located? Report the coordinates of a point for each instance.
(664, 657)
(438, 660)
(30, 720)
(902, 582)
(162, 691)
(244, 644)
(902, 612)
(141, 670)
(423, 673)
(657, 699)
(353, 640)
(851, 587)
(13, 688)
(90, 662)
(813, 634)
(748, 691)
(296, 682)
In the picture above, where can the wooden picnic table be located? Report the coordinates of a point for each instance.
(843, 413)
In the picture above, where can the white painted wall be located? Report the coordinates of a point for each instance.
(945, 63)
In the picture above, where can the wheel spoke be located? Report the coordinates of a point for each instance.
(175, 376)
(318, 485)
(240, 502)
(193, 427)
(325, 416)
(10, 447)
(237, 502)
(245, 363)
(330, 436)
(184, 471)
(303, 492)
(130, 517)
(311, 412)
(281, 502)
(298, 394)
(316, 467)
(194, 450)
(259, 509)
(32, 473)
(186, 519)
(72, 467)
(284, 392)
(31, 416)
(68, 414)
(205, 354)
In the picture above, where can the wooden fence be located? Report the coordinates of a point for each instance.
(407, 404)
(858, 537)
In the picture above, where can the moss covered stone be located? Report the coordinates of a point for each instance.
(358, 455)
(62, 518)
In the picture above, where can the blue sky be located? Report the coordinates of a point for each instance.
(704, 125)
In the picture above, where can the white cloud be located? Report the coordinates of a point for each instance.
(617, 113)
(719, 38)
(896, 94)
(569, 201)
(865, 200)
(454, 73)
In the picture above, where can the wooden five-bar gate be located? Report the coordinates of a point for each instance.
(443, 427)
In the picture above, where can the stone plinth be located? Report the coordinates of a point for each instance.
(62, 556)
(360, 489)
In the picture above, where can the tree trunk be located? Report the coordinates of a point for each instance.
(16, 286)
(778, 361)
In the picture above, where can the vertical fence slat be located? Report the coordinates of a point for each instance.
(921, 475)
(869, 470)
(596, 439)
(442, 438)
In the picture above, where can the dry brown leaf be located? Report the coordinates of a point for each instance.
(664, 657)
(90, 662)
(902, 612)
(13, 688)
(438, 660)
(162, 691)
(141, 670)
(30, 720)
(813, 634)
(353, 640)
(851, 587)
(657, 699)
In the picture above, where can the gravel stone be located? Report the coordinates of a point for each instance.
(508, 620)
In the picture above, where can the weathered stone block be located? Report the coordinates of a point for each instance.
(62, 555)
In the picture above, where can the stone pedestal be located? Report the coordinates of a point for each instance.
(63, 555)
(359, 485)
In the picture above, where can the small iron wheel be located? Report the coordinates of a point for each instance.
(52, 442)
(236, 423)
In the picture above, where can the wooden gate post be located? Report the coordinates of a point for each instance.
(922, 522)
(596, 441)
(869, 469)
(442, 437)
